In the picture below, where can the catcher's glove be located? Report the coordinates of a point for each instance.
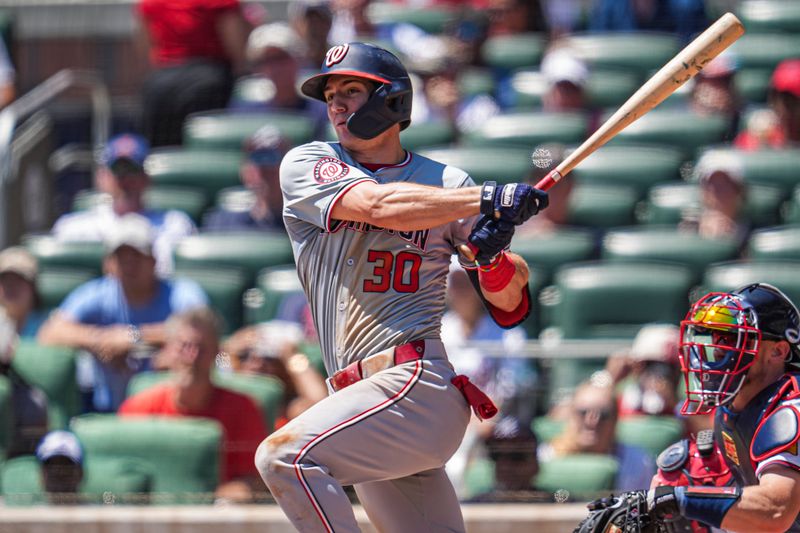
(624, 513)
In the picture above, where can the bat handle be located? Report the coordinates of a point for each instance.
(468, 250)
(553, 177)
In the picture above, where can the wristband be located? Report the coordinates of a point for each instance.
(496, 276)
(706, 504)
(487, 197)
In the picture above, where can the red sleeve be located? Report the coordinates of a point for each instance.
(246, 433)
(222, 5)
(509, 319)
(145, 403)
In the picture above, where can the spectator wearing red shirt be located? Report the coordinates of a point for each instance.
(195, 47)
(190, 352)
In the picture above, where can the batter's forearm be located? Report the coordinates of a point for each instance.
(407, 206)
(509, 298)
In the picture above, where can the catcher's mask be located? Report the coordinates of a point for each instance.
(721, 336)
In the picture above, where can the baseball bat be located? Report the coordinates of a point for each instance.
(675, 73)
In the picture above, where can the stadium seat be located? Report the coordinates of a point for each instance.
(770, 15)
(668, 244)
(6, 422)
(652, 433)
(545, 253)
(602, 206)
(639, 167)
(190, 200)
(52, 369)
(581, 475)
(223, 130)
(475, 80)
(735, 274)
(775, 243)
(679, 128)
(607, 299)
(605, 88)
(509, 52)
(791, 212)
(753, 83)
(53, 284)
(778, 168)
(224, 287)
(547, 428)
(237, 199)
(426, 134)
(639, 52)
(182, 454)
(504, 164)
(207, 170)
(266, 391)
(429, 19)
(765, 50)
(273, 287)
(250, 251)
(51, 252)
(529, 129)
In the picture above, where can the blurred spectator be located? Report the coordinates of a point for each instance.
(272, 349)
(566, 78)
(509, 17)
(714, 92)
(684, 17)
(60, 456)
(18, 295)
(28, 407)
(119, 318)
(723, 195)
(781, 127)
(121, 174)
(8, 77)
(350, 21)
(192, 347)
(263, 152)
(196, 49)
(274, 56)
(547, 157)
(648, 374)
(591, 427)
(312, 20)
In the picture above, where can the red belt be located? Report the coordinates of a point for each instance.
(355, 371)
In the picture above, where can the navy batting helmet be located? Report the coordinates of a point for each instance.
(390, 101)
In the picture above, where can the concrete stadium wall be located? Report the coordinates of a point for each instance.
(507, 518)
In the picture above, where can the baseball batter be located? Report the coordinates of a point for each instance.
(373, 228)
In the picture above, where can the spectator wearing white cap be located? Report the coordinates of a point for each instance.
(312, 20)
(18, 295)
(122, 176)
(60, 456)
(566, 78)
(121, 314)
(714, 92)
(262, 210)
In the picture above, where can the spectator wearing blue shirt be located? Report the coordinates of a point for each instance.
(262, 209)
(120, 317)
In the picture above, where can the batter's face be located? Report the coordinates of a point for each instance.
(344, 95)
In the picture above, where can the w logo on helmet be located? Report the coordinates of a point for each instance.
(336, 54)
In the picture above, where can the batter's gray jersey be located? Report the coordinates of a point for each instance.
(369, 288)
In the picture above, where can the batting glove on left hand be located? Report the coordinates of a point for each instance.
(489, 237)
(515, 202)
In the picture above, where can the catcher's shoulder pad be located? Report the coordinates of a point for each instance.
(777, 432)
(674, 456)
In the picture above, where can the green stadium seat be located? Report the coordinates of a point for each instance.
(52, 369)
(6, 422)
(775, 243)
(602, 206)
(605, 88)
(273, 286)
(504, 164)
(430, 19)
(190, 200)
(224, 287)
(547, 428)
(53, 284)
(228, 131)
(668, 244)
(425, 134)
(791, 212)
(639, 167)
(639, 52)
(547, 252)
(770, 15)
(250, 251)
(607, 299)
(51, 252)
(237, 199)
(753, 83)
(735, 274)
(564, 374)
(475, 80)
(513, 51)
(766, 167)
(253, 90)
(652, 433)
(266, 391)
(182, 454)
(582, 475)
(765, 50)
(679, 128)
(207, 170)
(529, 129)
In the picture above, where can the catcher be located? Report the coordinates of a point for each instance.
(739, 353)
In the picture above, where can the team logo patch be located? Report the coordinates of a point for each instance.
(330, 169)
(336, 54)
(730, 448)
